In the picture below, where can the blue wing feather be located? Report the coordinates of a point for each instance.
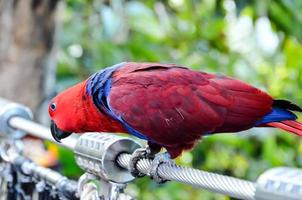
(98, 87)
(277, 115)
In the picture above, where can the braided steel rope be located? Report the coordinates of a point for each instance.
(90, 192)
(100, 157)
(230, 186)
(217, 183)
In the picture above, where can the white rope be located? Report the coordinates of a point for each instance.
(230, 186)
(214, 182)
(41, 131)
(90, 192)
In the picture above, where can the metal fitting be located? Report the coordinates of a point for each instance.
(280, 183)
(7, 111)
(96, 153)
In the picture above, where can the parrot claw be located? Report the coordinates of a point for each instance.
(163, 158)
(138, 154)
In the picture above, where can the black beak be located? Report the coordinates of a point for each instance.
(58, 134)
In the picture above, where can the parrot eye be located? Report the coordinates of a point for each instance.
(53, 106)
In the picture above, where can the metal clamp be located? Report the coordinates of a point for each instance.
(160, 159)
(91, 187)
(96, 153)
(280, 183)
(7, 111)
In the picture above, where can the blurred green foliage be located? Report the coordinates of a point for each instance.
(256, 41)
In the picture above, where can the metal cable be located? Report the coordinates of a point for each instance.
(96, 155)
(40, 131)
(226, 185)
(214, 182)
(28, 168)
(90, 192)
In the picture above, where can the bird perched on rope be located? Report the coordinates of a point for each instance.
(168, 105)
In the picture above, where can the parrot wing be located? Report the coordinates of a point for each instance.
(173, 105)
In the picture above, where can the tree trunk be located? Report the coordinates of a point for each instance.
(27, 64)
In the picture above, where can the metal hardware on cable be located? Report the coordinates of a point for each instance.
(280, 183)
(213, 182)
(106, 158)
(25, 173)
(9, 110)
(16, 122)
(96, 153)
(90, 192)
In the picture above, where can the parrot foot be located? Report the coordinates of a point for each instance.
(163, 158)
(138, 154)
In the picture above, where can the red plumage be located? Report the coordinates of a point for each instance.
(288, 125)
(175, 106)
(76, 112)
(171, 105)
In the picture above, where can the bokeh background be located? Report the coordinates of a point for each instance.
(258, 41)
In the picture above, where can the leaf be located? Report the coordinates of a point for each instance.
(142, 19)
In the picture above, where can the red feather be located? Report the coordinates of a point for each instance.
(77, 113)
(174, 106)
(288, 125)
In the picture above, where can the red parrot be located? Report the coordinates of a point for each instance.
(168, 105)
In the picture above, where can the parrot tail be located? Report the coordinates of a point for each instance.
(288, 125)
(282, 117)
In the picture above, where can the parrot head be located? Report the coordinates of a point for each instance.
(56, 132)
(63, 110)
